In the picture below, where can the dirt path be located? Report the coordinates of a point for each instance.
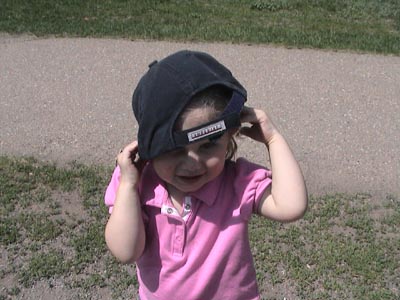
(69, 99)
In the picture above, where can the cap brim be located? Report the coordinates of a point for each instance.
(230, 118)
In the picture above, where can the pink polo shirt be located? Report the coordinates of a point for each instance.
(204, 253)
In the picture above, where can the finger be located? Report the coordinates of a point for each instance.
(129, 152)
(247, 115)
(140, 164)
(131, 147)
(247, 131)
(247, 110)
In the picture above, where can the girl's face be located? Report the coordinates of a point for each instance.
(188, 169)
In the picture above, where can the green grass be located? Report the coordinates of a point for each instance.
(360, 25)
(336, 252)
(52, 221)
(51, 227)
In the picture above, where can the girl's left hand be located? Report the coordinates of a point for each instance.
(262, 129)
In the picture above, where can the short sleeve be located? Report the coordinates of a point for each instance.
(111, 191)
(251, 182)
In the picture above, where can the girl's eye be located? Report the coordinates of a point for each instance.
(209, 145)
(175, 153)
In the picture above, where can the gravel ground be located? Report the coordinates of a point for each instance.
(70, 99)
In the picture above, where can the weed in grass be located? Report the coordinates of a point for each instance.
(91, 281)
(274, 5)
(43, 266)
(89, 245)
(39, 227)
(391, 219)
(14, 291)
(121, 279)
(9, 232)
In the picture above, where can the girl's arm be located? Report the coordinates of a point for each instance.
(125, 234)
(286, 198)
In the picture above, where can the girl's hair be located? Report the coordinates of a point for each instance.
(215, 97)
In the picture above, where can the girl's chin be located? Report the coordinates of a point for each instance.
(189, 184)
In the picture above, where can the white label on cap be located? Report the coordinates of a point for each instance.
(206, 131)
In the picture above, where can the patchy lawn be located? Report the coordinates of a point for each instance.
(51, 240)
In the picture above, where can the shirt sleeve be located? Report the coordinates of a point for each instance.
(111, 191)
(251, 182)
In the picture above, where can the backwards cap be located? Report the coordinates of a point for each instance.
(164, 91)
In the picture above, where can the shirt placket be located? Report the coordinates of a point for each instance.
(179, 239)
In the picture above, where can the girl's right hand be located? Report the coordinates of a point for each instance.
(129, 163)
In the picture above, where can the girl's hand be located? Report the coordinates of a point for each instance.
(130, 164)
(262, 129)
(286, 198)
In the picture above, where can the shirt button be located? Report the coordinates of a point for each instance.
(169, 210)
(187, 206)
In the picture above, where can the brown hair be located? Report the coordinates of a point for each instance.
(215, 97)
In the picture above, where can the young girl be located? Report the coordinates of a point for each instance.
(179, 202)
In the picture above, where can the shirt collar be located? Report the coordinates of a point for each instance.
(154, 192)
(208, 193)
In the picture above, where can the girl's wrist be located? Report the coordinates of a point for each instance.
(127, 183)
(272, 138)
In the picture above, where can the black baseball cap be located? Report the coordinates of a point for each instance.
(164, 91)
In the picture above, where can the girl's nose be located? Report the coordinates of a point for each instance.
(192, 161)
(192, 155)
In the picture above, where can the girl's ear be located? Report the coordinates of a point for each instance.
(232, 146)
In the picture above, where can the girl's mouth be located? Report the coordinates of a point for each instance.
(189, 179)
